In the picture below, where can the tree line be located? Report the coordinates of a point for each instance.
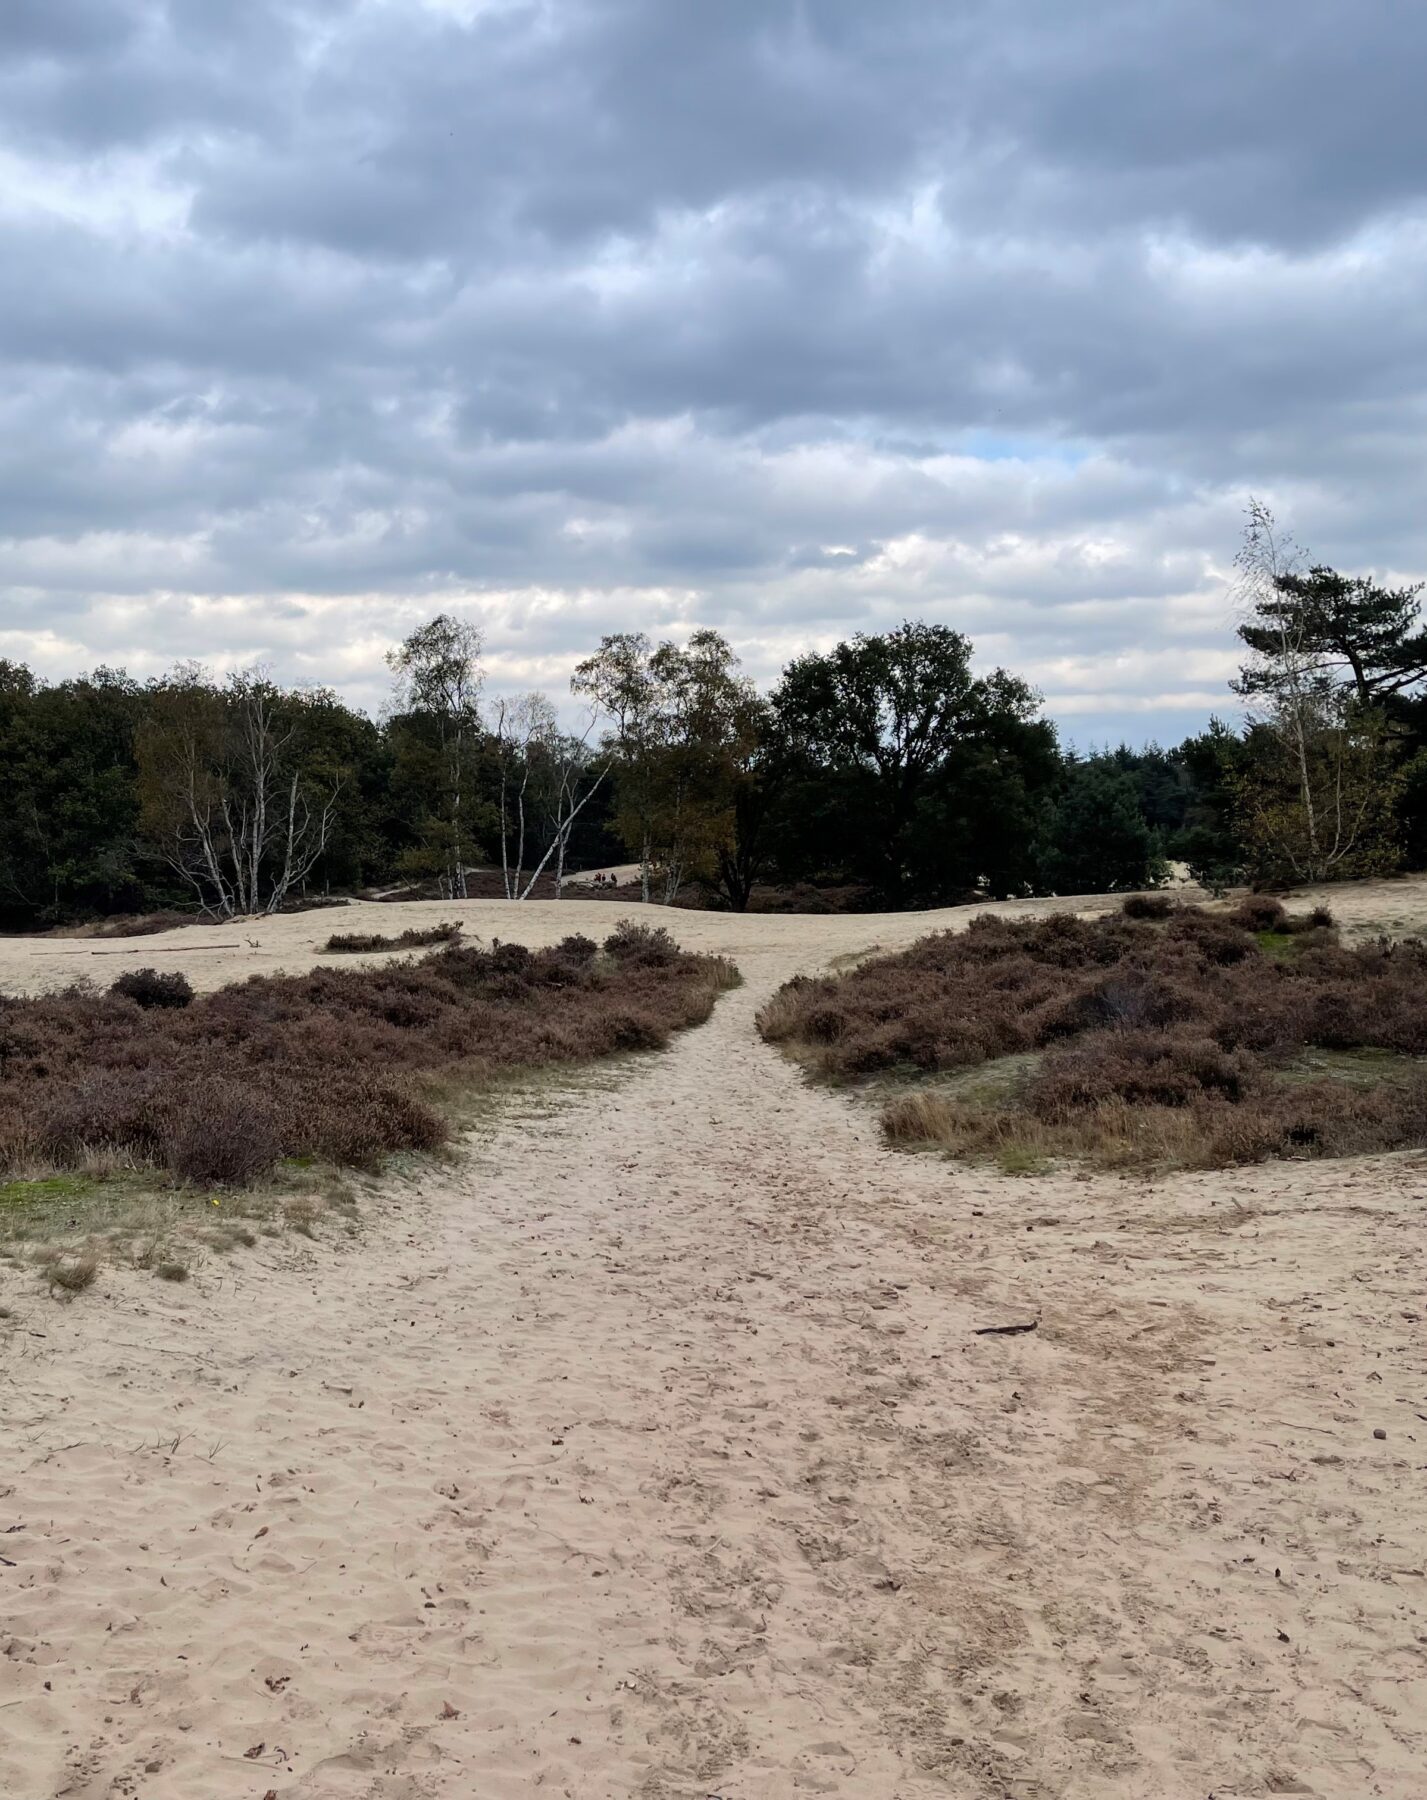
(884, 772)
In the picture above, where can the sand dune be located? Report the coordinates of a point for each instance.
(652, 1452)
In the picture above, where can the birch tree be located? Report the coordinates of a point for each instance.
(620, 682)
(226, 795)
(1317, 790)
(520, 725)
(438, 683)
(547, 778)
(683, 725)
(571, 770)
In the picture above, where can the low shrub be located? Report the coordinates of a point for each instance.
(330, 1064)
(1164, 1037)
(1319, 920)
(222, 1135)
(1147, 906)
(126, 1110)
(577, 948)
(1141, 1068)
(127, 925)
(1260, 912)
(149, 987)
(641, 946)
(416, 937)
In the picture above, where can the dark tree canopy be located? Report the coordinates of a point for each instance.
(1096, 838)
(889, 735)
(1346, 628)
(886, 771)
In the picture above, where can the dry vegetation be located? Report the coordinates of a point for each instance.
(335, 1065)
(128, 925)
(150, 924)
(357, 943)
(1166, 1035)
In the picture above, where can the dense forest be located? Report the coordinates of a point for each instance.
(883, 773)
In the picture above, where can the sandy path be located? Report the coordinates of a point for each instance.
(651, 1453)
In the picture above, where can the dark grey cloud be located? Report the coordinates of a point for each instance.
(788, 318)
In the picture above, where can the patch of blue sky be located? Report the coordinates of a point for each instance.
(1023, 447)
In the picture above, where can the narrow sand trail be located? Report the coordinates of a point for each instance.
(651, 1451)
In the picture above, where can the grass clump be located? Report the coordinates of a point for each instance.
(329, 1066)
(416, 937)
(1191, 1038)
(68, 1274)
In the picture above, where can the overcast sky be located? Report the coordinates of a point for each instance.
(792, 319)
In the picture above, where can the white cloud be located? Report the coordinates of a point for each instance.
(320, 315)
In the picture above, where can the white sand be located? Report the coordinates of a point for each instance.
(652, 1453)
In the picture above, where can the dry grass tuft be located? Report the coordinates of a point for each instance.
(70, 1274)
(1164, 1039)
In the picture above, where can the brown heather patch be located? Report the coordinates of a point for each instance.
(329, 1065)
(356, 943)
(1167, 1039)
(1147, 906)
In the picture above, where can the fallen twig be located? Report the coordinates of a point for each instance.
(1004, 1330)
(137, 950)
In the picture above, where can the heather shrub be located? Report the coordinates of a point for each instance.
(149, 987)
(1213, 937)
(1316, 937)
(577, 948)
(629, 1029)
(355, 943)
(1128, 999)
(327, 1064)
(1260, 912)
(1171, 1038)
(1147, 906)
(1139, 1067)
(221, 1135)
(126, 1110)
(648, 946)
(357, 1120)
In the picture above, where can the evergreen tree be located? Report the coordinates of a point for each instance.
(1095, 838)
